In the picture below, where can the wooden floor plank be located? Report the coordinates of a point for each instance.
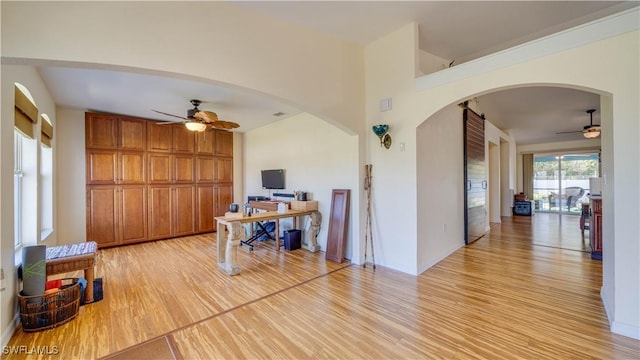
(502, 297)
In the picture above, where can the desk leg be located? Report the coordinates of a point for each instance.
(227, 247)
(312, 244)
(89, 276)
(277, 234)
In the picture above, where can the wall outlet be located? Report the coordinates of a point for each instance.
(444, 227)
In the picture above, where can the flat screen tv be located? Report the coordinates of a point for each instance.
(273, 179)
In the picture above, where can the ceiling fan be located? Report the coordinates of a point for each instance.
(589, 131)
(201, 120)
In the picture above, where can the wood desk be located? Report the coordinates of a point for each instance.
(227, 247)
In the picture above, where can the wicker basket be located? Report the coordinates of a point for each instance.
(42, 312)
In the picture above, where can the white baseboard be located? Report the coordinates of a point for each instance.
(617, 327)
(8, 332)
(424, 267)
(625, 330)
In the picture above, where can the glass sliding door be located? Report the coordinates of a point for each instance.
(561, 182)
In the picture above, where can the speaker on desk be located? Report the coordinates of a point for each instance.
(292, 239)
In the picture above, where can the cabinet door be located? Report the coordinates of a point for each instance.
(204, 169)
(159, 168)
(205, 205)
(223, 170)
(205, 142)
(159, 136)
(159, 212)
(184, 209)
(183, 169)
(184, 141)
(102, 215)
(133, 213)
(101, 167)
(101, 131)
(131, 167)
(224, 143)
(224, 198)
(132, 134)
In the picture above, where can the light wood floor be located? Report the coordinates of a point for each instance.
(501, 297)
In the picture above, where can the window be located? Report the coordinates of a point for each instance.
(17, 189)
(26, 170)
(46, 178)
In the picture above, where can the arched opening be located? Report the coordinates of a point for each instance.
(440, 168)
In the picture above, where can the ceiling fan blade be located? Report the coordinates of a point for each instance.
(227, 125)
(207, 116)
(569, 132)
(175, 116)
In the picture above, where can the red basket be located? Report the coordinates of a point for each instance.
(42, 312)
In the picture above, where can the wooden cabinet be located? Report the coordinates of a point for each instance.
(102, 215)
(223, 170)
(595, 229)
(205, 142)
(114, 132)
(132, 219)
(184, 208)
(159, 210)
(101, 131)
(204, 169)
(102, 167)
(206, 209)
(116, 215)
(223, 143)
(223, 198)
(184, 141)
(148, 180)
(159, 136)
(132, 134)
(172, 211)
(183, 169)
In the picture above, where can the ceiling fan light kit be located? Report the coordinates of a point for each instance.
(591, 131)
(195, 126)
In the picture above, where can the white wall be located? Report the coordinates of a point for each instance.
(71, 176)
(440, 171)
(317, 158)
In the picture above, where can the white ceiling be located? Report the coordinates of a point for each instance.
(449, 29)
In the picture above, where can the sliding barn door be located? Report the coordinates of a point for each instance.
(475, 182)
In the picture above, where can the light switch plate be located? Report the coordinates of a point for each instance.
(385, 104)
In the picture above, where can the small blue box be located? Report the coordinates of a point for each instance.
(522, 208)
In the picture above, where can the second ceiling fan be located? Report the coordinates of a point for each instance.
(201, 120)
(589, 131)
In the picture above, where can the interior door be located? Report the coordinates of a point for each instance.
(475, 182)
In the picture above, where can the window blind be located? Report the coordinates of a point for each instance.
(46, 130)
(26, 113)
